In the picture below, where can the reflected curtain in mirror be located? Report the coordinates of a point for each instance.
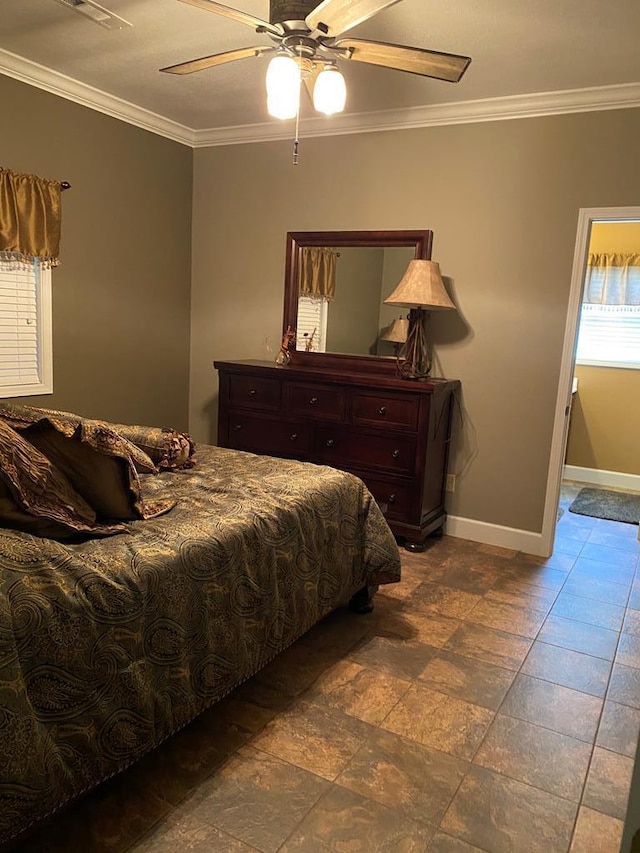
(30, 215)
(318, 272)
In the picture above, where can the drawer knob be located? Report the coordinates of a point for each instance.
(293, 436)
(252, 392)
(391, 499)
(313, 400)
(330, 442)
(396, 454)
(382, 410)
(237, 427)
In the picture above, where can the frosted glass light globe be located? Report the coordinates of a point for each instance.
(330, 91)
(283, 87)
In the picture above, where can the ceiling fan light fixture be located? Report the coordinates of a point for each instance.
(283, 86)
(330, 91)
(308, 35)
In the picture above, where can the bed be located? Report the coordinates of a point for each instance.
(110, 645)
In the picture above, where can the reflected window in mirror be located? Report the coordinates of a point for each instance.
(311, 329)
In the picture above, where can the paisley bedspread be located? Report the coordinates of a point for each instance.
(107, 646)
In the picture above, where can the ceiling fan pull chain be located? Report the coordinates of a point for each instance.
(296, 140)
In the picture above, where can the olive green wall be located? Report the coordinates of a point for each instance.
(603, 432)
(396, 260)
(121, 294)
(502, 199)
(352, 325)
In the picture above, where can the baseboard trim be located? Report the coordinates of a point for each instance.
(495, 534)
(597, 477)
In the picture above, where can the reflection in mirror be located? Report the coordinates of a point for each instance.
(335, 288)
(354, 317)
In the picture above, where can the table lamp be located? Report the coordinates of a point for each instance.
(396, 333)
(422, 290)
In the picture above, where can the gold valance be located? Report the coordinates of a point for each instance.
(606, 259)
(318, 272)
(30, 215)
(612, 279)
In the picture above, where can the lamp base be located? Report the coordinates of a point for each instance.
(414, 360)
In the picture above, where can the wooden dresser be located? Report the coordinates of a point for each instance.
(393, 433)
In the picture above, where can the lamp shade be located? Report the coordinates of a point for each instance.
(421, 285)
(397, 332)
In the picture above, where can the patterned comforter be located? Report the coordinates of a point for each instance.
(107, 646)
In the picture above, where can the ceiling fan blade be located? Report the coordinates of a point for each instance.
(237, 15)
(340, 15)
(415, 60)
(217, 59)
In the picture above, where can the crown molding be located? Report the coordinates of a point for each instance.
(26, 71)
(622, 96)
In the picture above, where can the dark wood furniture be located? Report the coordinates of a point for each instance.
(391, 432)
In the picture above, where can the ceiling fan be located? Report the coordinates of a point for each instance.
(308, 42)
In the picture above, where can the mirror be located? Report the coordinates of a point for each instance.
(368, 265)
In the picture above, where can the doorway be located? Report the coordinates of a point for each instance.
(587, 217)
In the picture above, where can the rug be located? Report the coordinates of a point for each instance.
(604, 503)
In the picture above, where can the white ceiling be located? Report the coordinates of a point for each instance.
(529, 57)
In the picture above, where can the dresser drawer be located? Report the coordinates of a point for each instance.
(255, 392)
(268, 435)
(357, 417)
(392, 498)
(344, 448)
(380, 409)
(318, 401)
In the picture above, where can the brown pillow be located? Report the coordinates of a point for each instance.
(92, 430)
(99, 434)
(169, 449)
(103, 481)
(37, 498)
(98, 461)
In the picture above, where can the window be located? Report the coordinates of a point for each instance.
(609, 333)
(25, 330)
(609, 336)
(312, 315)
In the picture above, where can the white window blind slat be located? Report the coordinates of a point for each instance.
(609, 335)
(21, 329)
(312, 314)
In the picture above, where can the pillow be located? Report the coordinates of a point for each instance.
(93, 431)
(169, 449)
(103, 481)
(96, 460)
(37, 498)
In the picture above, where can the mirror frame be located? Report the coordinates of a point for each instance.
(420, 241)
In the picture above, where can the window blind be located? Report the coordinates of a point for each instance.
(312, 314)
(20, 356)
(609, 335)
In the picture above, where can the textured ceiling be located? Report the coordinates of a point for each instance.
(518, 47)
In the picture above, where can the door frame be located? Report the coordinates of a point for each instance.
(586, 217)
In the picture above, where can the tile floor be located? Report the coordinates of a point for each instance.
(490, 703)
